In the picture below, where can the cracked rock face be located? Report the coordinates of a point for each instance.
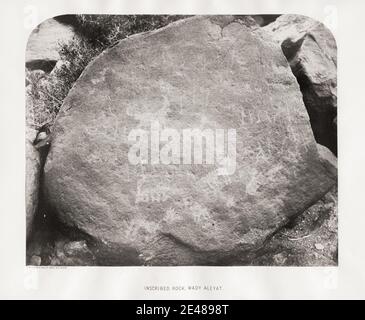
(312, 53)
(198, 73)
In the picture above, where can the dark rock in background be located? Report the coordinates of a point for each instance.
(264, 19)
(312, 53)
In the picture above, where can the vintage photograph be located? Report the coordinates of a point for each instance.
(174, 140)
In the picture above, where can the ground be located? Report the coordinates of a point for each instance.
(310, 240)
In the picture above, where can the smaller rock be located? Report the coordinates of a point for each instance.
(76, 248)
(35, 261)
(319, 246)
(40, 136)
(280, 259)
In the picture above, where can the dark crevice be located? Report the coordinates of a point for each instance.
(47, 228)
(321, 110)
(321, 113)
(265, 19)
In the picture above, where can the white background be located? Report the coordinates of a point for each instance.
(344, 18)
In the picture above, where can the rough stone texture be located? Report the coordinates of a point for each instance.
(196, 73)
(312, 53)
(35, 261)
(42, 46)
(33, 167)
(328, 159)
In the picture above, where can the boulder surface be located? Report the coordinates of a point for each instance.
(203, 73)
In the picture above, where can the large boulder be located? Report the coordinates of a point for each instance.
(312, 53)
(198, 73)
(33, 168)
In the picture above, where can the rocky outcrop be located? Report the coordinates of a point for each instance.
(42, 47)
(311, 51)
(200, 73)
